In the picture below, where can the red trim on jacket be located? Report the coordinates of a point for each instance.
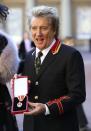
(59, 103)
(55, 48)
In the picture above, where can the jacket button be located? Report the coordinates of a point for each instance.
(36, 97)
(36, 83)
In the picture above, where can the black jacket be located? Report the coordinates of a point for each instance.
(60, 85)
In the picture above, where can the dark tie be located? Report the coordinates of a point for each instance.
(38, 62)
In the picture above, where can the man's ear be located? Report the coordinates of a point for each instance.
(3, 42)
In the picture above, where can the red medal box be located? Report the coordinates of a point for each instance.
(20, 97)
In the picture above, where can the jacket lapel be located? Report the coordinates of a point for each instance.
(32, 67)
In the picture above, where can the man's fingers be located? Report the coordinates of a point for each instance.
(32, 111)
(31, 104)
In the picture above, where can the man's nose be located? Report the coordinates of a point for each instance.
(39, 32)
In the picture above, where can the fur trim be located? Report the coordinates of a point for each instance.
(9, 61)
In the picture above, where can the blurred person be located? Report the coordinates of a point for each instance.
(56, 72)
(89, 45)
(69, 41)
(8, 67)
(25, 46)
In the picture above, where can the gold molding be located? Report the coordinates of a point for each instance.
(14, 1)
(48, 1)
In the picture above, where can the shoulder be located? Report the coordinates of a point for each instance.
(69, 52)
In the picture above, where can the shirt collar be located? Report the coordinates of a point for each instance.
(45, 51)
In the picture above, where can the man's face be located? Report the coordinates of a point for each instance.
(42, 32)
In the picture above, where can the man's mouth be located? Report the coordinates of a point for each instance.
(40, 39)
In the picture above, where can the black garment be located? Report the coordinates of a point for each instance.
(4, 41)
(21, 67)
(22, 51)
(61, 78)
(7, 120)
(81, 117)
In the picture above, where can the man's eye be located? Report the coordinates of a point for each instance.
(45, 28)
(33, 28)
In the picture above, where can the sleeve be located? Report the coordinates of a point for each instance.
(75, 83)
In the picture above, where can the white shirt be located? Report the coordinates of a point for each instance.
(45, 52)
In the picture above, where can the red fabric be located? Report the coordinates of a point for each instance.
(55, 47)
(59, 103)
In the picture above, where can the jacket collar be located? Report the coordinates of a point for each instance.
(55, 48)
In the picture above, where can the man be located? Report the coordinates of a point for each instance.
(8, 67)
(58, 84)
(25, 46)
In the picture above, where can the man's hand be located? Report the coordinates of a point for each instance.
(35, 109)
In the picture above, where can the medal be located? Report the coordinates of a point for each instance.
(20, 98)
(19, 104)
